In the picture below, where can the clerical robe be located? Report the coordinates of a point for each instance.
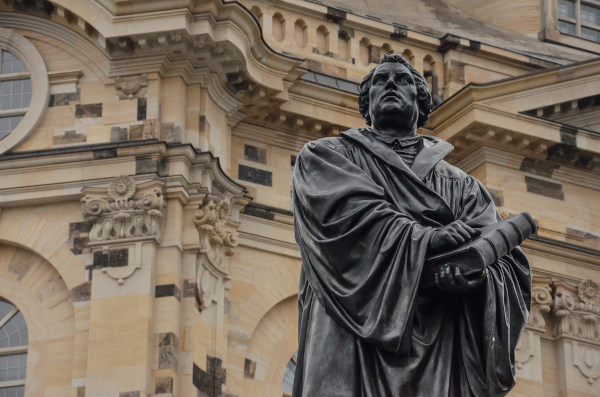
(363, 222)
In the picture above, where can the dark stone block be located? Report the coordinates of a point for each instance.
(82, 292)
(163, 385)
(141, 108)
(167, 339)
(335, 15)
(148, 165)
(568, 135)
(105, 154)
(255, 175)
(399, 34)
(540, 167)
(81, 391)
(209, 383)
(189, 288)
(201, 123)
(496, 196)
(118, 134)
(169, 132)
(474, 45)
(111, 258)
(448, 42)
(129, 394)
(167, 358)
(259, 212)
(91, 110)
(544, 188)
(167, 290)
(62, 99)
(254, 153)
(249, 368)
(580, 234)
(69, 137)
(136, 132)
(374, 53)
(568, 154)
(80, 227)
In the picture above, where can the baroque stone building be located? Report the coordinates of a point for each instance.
(146, 238)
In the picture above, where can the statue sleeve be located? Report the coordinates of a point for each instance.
(361, 255)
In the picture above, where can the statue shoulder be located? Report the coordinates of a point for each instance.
(337, 143)
(449, 171)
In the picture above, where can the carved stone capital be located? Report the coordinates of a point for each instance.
(218, 239)
(123, 210)
(577, 310)
(129, 87)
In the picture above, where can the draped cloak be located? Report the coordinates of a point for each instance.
(363, 221)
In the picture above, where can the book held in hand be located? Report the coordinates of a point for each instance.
(473, 257)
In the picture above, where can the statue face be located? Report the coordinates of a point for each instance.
(393, 95)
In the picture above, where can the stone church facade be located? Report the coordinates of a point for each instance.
(146, 149)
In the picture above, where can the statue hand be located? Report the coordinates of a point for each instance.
(452, 280)
(451, 236)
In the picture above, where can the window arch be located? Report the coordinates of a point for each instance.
(22, 73)
(278, 26)
(364, 51)
(386, 49)
(300, 33)
(322, 40)
(257, 13)
(343, 45)
(13, 350)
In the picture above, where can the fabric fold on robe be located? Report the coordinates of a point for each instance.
(363, 221)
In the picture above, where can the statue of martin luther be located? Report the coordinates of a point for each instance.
(369, 207)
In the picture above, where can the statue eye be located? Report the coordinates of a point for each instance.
(404, 80)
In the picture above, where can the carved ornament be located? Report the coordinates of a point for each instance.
(129, 87)
(541, 302)
(217, 244)
(120, 213)
(578, 310)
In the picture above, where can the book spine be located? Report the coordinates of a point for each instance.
(504, 239)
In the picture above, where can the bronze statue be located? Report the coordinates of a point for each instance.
(370, 206)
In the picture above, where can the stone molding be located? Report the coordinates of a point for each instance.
(123, 210)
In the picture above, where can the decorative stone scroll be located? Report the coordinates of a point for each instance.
(129, 87)
(120, 213)
(541, 302)
(217, 244)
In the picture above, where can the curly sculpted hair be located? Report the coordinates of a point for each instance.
(424, 100)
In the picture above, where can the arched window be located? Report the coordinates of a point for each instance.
(322, 40)
(22, 73)
(13, 350)
(278, 27)
(300, 33)
(15, 92)
(288, 376)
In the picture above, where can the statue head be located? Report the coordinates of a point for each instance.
(423, 96)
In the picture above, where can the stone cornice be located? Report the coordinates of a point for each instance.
(201, 171)
(504, 90)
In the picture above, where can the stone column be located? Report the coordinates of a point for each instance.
(125, 219)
